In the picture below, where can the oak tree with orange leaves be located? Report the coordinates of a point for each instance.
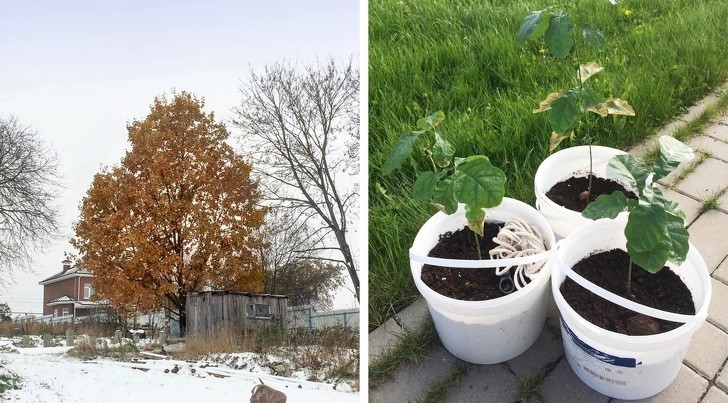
(178, 213)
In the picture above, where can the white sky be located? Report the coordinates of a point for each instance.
(78, 71)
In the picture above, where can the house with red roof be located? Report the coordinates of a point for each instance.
(69, 293)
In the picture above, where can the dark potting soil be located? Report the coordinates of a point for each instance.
(571, 193)
(663, 290)
(464, 283)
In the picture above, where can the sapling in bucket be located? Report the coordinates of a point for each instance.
(569, 110)
(508, 309)
(626, 338)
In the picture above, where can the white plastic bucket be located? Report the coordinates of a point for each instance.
(491, 331)
(560, 166)
(614, 364)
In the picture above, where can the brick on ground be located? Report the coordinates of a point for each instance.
(718, 310)
(485, 383)
(718, 131)
(386, 336)
(718, 148)
(710, 242)
(562, 384)
(722, 380)
(715, 395)
(703, 355)
(412, 382)
(547, 349)
(707, 179)
(721, 273)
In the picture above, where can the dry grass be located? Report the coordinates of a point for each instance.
(56, 329)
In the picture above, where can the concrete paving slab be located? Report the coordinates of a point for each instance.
(547, 349)
(705, 355)
(721, 273)
(562, 385)
(718, 148)
(485, 383)
(715, 395)
(708, 240)
(687, 387)
(718, 310)
(718, 131)
(706, 179)
(722, 380)
(672, 177)
(690, 206)
(383, 338)
(412, 382)
(699, 107)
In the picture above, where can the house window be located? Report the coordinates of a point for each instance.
(65, 311)
(258, 310)
(88, 291)
(55, 312)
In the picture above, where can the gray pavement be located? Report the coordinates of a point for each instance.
(704, 374)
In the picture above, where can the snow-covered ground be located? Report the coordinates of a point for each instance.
(49, 375)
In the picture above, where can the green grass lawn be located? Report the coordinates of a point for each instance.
(461, 57)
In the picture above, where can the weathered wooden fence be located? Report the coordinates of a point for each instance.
(211, 312)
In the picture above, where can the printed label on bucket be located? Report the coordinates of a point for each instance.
(612, 370)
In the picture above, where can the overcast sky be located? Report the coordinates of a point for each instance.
(78, 71)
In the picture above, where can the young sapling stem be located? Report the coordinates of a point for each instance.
(477, 245)
(629, 278)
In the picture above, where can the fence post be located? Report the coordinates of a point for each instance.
(117, 336)
(26, 341)
(345, 321)
(47, 340)
(162, 337)
(69, 338)
(310, 320)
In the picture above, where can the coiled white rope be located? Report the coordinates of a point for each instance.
(516, 239)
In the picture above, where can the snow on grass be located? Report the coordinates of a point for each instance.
(48, 375)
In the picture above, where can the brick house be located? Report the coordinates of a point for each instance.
(68, 292)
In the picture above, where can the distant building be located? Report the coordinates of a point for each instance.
(68, 294)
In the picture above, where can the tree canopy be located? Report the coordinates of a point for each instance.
(178, 214)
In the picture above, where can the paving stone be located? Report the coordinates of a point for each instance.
(715, 395)
(700, 106)
(412, 382)
(722, 380)
(718, 148)
(718, 131)
(687, 387)
(710, 243)
(484, 383)
(718, 310)
(546, 349)
(386, 336)
(669, 179)
(708, 178)
(721, 273)
(704, 355)
(562, 384)
(690, 206)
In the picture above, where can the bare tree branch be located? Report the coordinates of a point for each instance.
(302, 131)
(29, 184)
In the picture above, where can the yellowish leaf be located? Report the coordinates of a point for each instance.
(588, 70)
(616, 106)
(556, 139)
(545, 105)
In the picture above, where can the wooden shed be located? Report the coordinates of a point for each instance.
(211, 312)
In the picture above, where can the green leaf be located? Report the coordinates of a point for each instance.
(672, 153)
(475, 217)
(588, 70)
(608, 206)
(442, 151)
(678, 237)
(425, 184)
(559, 36)
(431, 121)
(592, 36)
(592, 101)
(478, 183)
(401, 151)
(673, 208)
(532, 26)
(629, 168)
(562, 114)
(647, 243)
(443, 198)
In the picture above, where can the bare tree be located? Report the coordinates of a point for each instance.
(28, 187)
(302, 130)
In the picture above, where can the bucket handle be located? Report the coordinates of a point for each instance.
(477, 264)
(621, 301)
